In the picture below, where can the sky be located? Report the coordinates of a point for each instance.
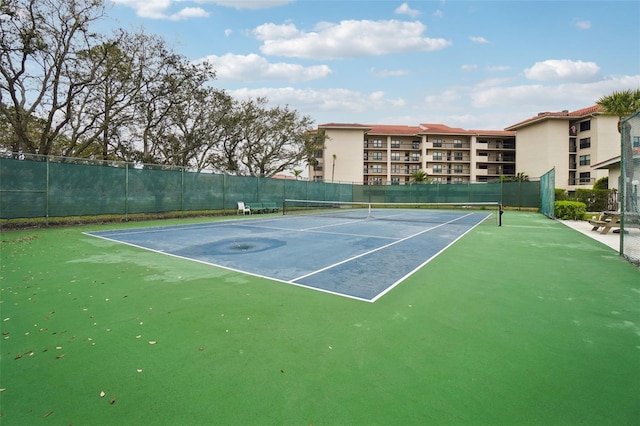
(481, 65)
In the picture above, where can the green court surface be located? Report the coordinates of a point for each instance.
(531, 323)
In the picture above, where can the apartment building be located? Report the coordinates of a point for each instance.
(391, 154)
(569, 141)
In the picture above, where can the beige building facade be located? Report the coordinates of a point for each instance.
(570, 142)
(391, 154)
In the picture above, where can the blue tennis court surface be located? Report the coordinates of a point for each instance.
(357, 258)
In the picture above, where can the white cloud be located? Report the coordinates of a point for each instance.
(478, 40)
(256, 68)
(389, 73)
(582, 24)
(327, 102)
(347, 39)
(469, 67)
(438, 14)
(228, 32)
(158, 9)
(498, 68)
(562, 69)
(499, 103)
(404, 9)
(248, 4)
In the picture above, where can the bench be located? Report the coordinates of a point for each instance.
(257, 208)
(266, 207)
(606, 222)
(270, 207)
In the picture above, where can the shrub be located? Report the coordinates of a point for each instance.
(572, 210)
(561, 194)
(602, 183)
(595, 199)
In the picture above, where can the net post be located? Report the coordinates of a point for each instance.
(500, 211)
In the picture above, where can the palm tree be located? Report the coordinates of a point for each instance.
(333, 169)
(623, 104)
(297, 173)
(419, 176)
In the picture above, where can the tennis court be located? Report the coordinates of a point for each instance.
(529, 323)
(352, 253)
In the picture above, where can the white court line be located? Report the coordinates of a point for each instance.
(228, 268)
(377, 249)
(313, 231)
(392, 286)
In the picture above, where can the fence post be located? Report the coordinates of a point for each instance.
(126, 192)
(47, 194)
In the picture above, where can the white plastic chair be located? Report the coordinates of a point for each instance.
(243, 209)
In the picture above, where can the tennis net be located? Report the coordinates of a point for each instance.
(410, 212)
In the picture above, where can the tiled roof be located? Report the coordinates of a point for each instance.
(344, 126)
(383, 129)
(558, 115)
(442, 128)
(615, 160)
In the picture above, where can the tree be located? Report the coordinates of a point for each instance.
(297, 173)
(263, 141)
(41, 47)
(623, 104)
(333, 167)
(419, 176)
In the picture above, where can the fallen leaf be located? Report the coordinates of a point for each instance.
(152, 342)
(60, 356)
(18, 356)
(48, 413)
(102, 394)
(139, 370)
(112, 401)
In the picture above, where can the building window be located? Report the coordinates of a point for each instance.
(366, 156)
(636, 141)
(376, 181)
(376, 143)
(585, 178)
(457, 143)
(376, 156)
(396, 168)
(437, 143)
(376, 168)
(414, 167)
(585, 125)
(437, 168)
(457, 156)
(415, 144)
(395, 156)
(415, 157)
(457, 168)
(395, 144)
(318, 153)
(457, 180)
(585, 143)
(437, 156)
(395, 181)
(585, 160)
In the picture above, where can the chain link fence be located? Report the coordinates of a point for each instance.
(629, 189)
(34, 186)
